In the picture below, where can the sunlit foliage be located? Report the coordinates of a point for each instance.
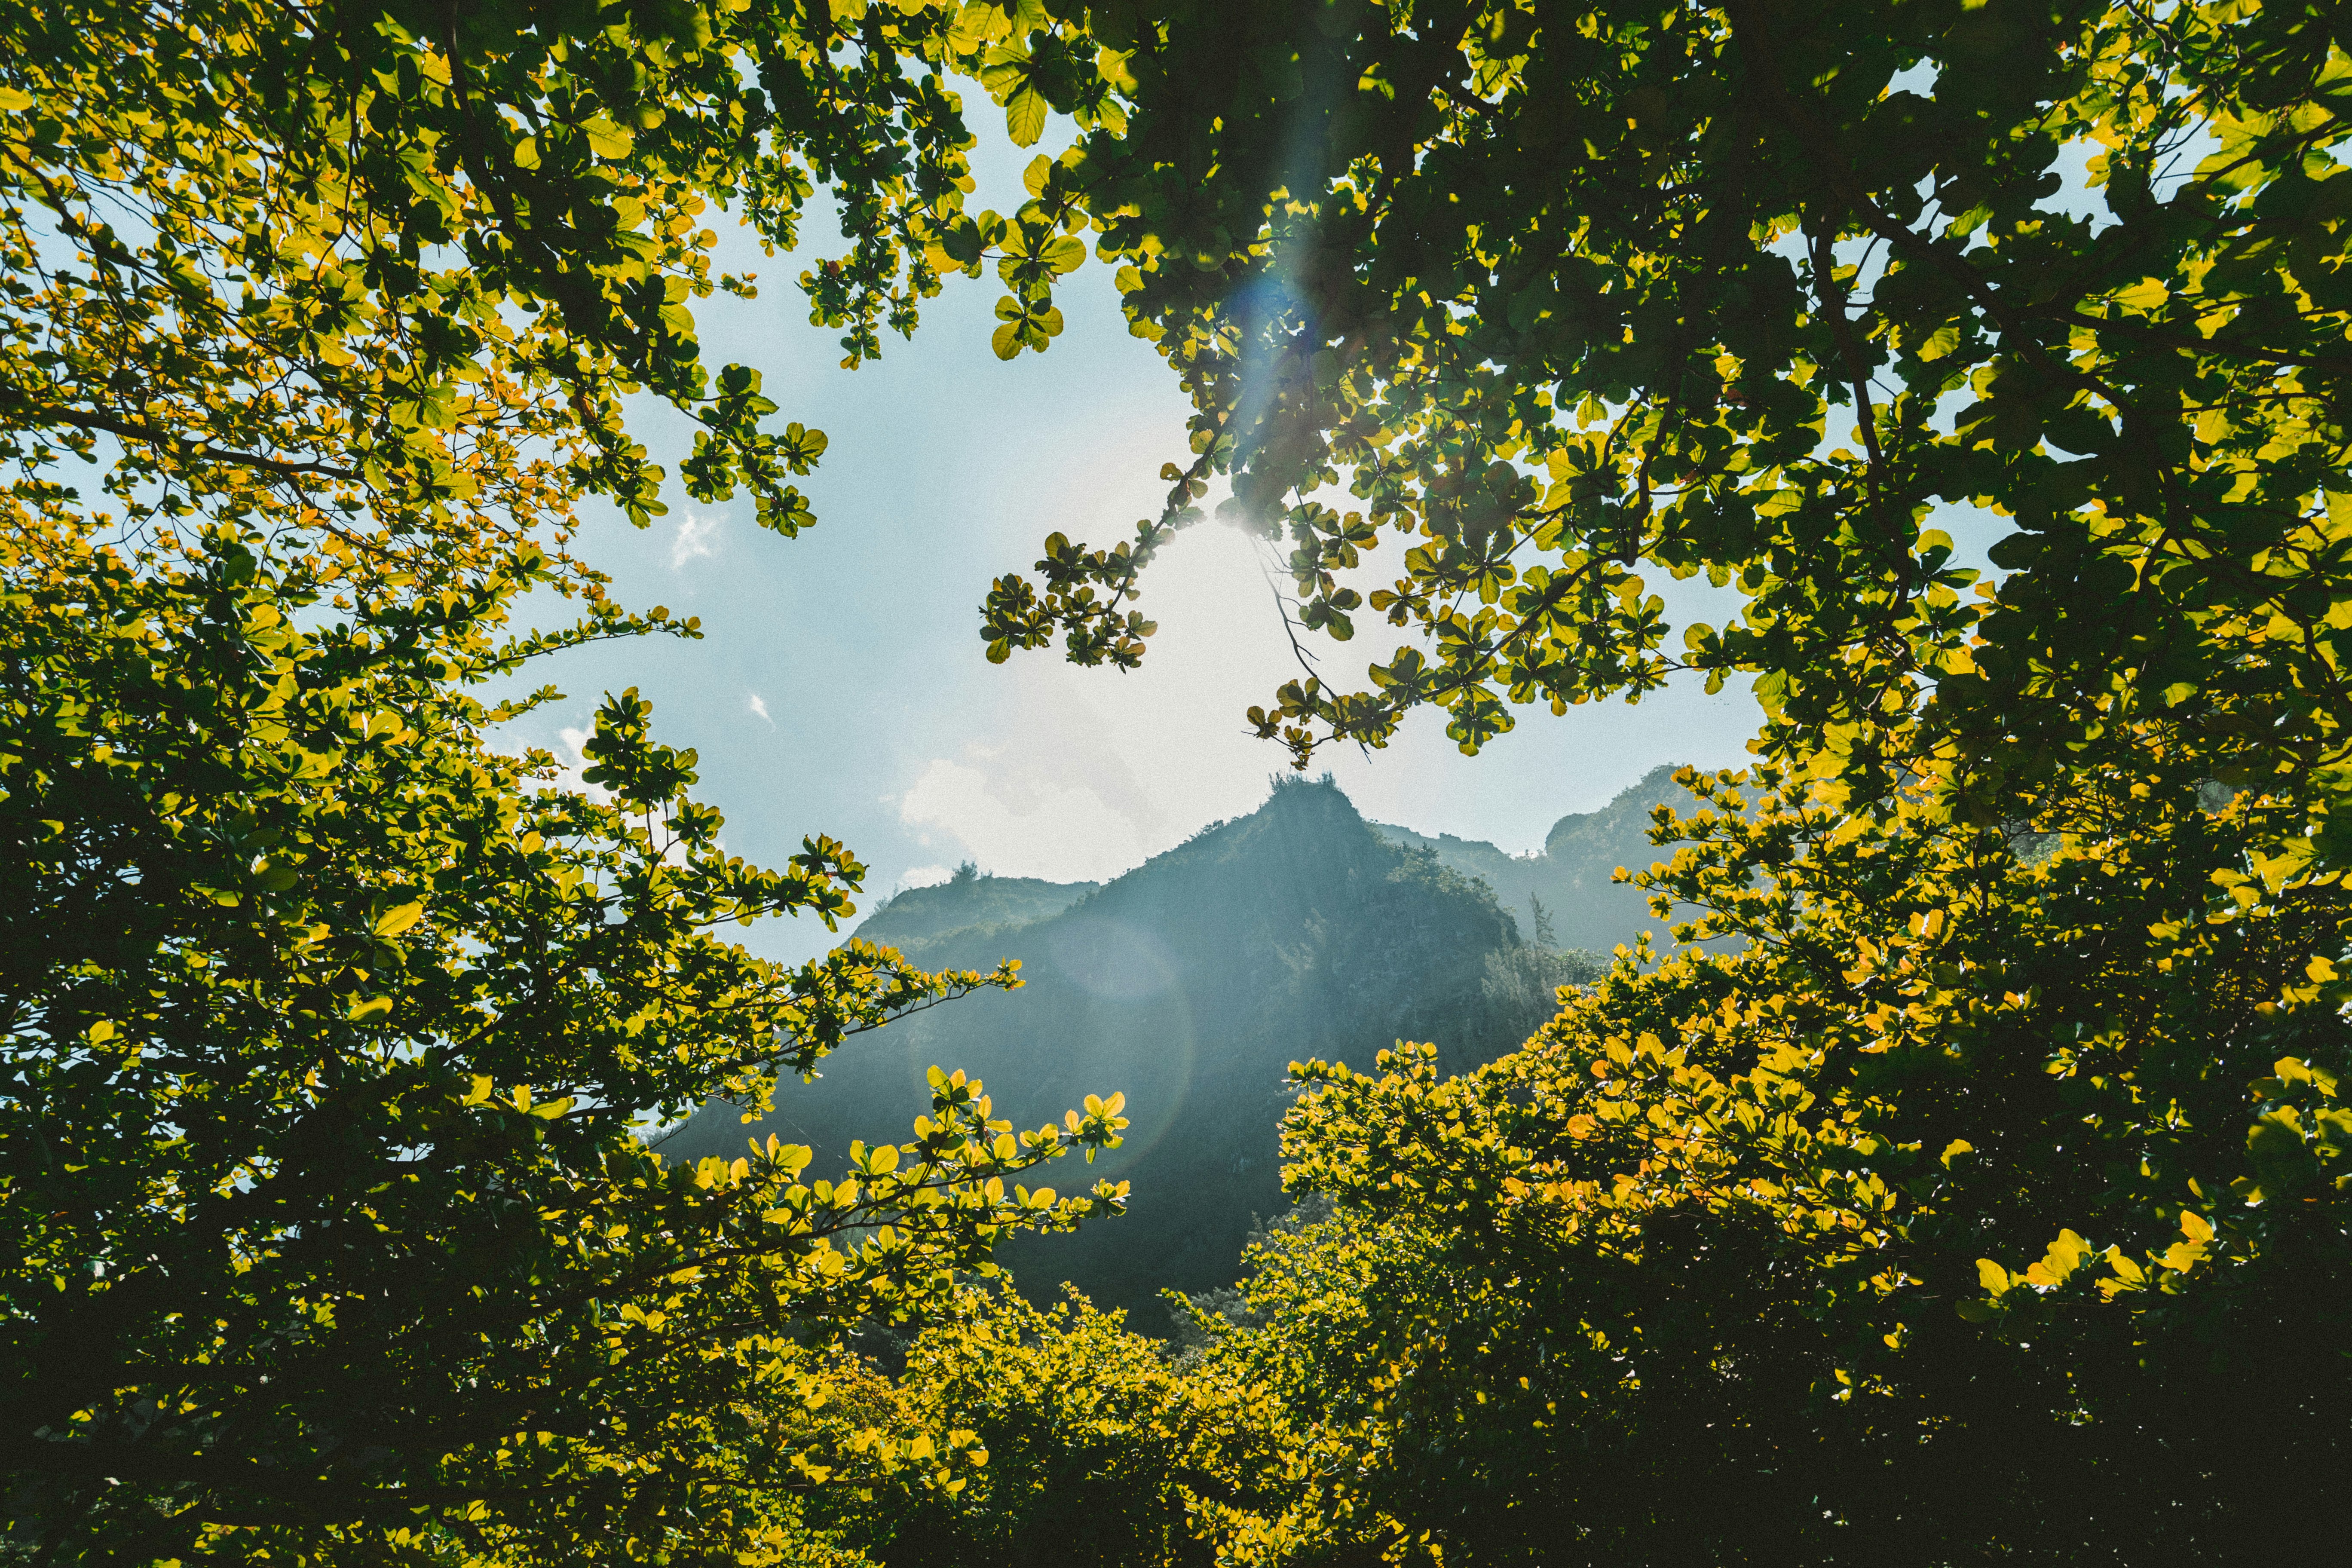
(1982, 1194)
(1567, 295)
(328, 1032)
(1953, 1216)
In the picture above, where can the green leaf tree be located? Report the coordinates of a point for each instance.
(382, 279)
(1987, 1202)
(327, 1026)
(1975, 1206)
(328, 1032)
(1570, 298)
(1098, 1450)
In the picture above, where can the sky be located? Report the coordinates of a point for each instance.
(841, 685)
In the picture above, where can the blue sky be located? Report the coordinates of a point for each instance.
(841, 685)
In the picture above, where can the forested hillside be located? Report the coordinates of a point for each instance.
(1192, 984)
(1573, 875)
(965, 907)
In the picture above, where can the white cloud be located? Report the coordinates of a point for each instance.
(925, 876)
(759, 706)
(696, 538)
(572, 761)
(1019, 816)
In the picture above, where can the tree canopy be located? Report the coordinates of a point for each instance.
(328, 1032)
(380, 277)
(1951, 1216)
(1981, 1192)
(1990, 1200)
(329, 1027)
(1565, 294)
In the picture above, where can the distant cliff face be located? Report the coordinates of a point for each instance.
(1573, 875)
(1189, 985)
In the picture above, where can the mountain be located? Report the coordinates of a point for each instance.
(968, 905)
(1571, 875)
(1192, 982)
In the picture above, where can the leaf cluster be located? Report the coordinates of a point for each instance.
(1570, 297)
(328, 1032)
(1955, 1212)
(380, 281)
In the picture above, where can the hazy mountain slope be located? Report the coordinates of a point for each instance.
(917, 919)
(1189, 985)
(1571, 875)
